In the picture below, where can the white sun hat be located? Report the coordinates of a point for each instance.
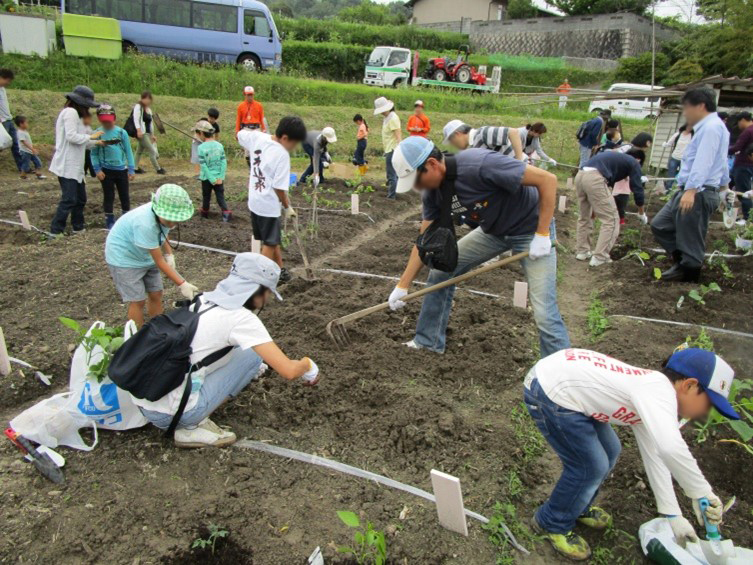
(381, 105)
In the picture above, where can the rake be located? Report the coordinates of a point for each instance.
(338, 331)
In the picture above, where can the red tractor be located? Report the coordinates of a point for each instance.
(442, 68)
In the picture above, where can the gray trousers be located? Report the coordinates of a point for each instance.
(686, 233)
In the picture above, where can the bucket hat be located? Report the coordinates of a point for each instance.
(203, 126)
(172, 203)
(408, 157)
(381, 105)
(250, 271)
(83, 96)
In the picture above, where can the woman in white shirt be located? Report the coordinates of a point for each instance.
(143, 121)
(71, 142)
(678, 142)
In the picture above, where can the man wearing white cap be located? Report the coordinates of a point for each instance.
(316, 147)
(511, 202)
(229, 318)
(418, 123)
(501, 139)
(250, 113)
(391, 136)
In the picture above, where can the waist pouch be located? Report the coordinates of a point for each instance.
(438, 246)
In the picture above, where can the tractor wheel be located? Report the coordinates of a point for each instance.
(440, 74)
(463, 75)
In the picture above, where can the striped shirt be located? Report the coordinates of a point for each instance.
(493, 138)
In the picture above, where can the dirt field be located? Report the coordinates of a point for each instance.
(379, 406)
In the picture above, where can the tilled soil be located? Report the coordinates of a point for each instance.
(379, 406)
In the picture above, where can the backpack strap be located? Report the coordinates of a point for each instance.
(447, 192)
(181, 407)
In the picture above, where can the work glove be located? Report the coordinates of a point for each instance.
(170, 260)
(290, 212)
(644, 179)
(327, 157)
(682, 530)
(325, 164)
(643, 218)
(748, 194)
(396, 297)
(713, 512)
(541, 246)
(188, 290)
(553, 162)
(311, 377)
(731, 197)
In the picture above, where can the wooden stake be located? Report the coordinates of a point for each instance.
(255, 245)
(354, 204)
(563, 204)
(570, 183)
(449, 497)
(24, 219)
(4, 359)
(520, 295)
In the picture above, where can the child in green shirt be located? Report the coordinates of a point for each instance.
(213, 166)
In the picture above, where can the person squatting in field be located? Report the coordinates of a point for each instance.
(229, 318)
(513, 205)
(501, 139)
(316, 147)
(574, 396)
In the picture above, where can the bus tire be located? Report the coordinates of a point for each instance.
(250, 62)
(129, 47)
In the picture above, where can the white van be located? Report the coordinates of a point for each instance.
(638, 108)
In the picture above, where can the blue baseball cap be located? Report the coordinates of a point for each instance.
(407, 158)
(713, 374)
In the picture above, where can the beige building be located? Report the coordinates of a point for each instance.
(436, 11)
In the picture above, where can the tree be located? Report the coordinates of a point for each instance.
(638, 69)
(584, 7)
(368, 12)
(282, 9)
(519, 9)
(683, 72)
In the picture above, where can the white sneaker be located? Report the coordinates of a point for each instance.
(412, 344)
(596, 262)
(207, 433)
(583, 256)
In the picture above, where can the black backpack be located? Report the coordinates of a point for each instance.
(581, 131)
(438, 245)
(156, 359)
(130, 126)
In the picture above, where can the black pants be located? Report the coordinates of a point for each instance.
(206, 193)
(115, 179)
(359, 157)
(622, 201)
(72, 201)
(88, 167)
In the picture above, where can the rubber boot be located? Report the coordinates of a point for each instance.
(362, 169)
(226, 215)
(204, 213)
(109, 221)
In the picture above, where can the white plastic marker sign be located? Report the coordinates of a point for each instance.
(255, 245)
(354, 204)
(449, 499)
(24, 219)
(4, 359)
(569, 182)
(520, 295)
(563, 204)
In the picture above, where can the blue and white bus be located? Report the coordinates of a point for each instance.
(225, 31)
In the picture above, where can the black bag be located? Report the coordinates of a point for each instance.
(130, 126)
(581, 131)
(438, 245)
(156, 359)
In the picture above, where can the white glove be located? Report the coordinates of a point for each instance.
(396, 297)
(644, 179)
(541, 246)
(682, 530)
(311, 377)
(325, 164)
(327, 157)
(731, 197)
(643, 218)
(188, 290)
(553, 162)
(170, 260)
(713, 512)
(290, 212)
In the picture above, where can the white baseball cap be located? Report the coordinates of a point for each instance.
(329, 134)
(407, 158)
(418, 103)
(450, 128)
(248, 90)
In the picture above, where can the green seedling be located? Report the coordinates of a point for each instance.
(215, 533)
(370, 545)
(527, 437)
(596, 318)
(109, 339)
(743, 427)
(505, 515)
(639, 254)
(657, 273)
(699, 294)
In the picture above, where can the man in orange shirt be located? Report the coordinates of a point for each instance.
(418, 123)
(564, 90)
(250, 113)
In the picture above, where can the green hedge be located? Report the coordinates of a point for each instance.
(332, 61)
(334, 31)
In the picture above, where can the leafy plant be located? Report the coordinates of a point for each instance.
(703, 341)
(597, 320)
(370, 547)
(717, 260)
(743, 427)
(527, 436)
(657, 273)
(699, 294)
(639, 254)
(215, 533)
(505, 516)
(109, 339)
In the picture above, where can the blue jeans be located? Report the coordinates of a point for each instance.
(227, 381)
(474, 249)
(673, 167)
(359, 157)
(72, 202)
(310, 170)
(743, 177)
(391, 176)
(10, 127)
(29, 159)
(585, 154)
(588, 450)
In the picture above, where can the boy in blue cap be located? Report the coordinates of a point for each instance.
(574, 395)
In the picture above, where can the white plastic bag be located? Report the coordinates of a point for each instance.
(104, 403)
(6, 141)
(53, 422)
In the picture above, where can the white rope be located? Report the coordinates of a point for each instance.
(684, 324)
(356, 472)
(714, 254)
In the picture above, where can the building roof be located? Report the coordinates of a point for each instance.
(719, 81)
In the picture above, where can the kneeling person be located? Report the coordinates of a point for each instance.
(229, 318)
(574, 395)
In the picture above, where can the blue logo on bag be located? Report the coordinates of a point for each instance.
(105, 403)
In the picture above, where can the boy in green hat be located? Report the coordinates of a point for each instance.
(137, 249)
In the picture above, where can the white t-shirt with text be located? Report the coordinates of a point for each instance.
(270, 171)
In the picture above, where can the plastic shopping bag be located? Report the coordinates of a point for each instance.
(52, 422)
(103, 402)
(659, 545)
(6, 141)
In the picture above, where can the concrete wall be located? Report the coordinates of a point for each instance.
(440, 11)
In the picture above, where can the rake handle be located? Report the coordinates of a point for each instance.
(309, 272)
(444, 284)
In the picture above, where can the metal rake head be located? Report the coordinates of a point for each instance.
(338, 333)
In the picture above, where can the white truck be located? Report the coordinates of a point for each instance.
(639, 107)
(388, 66)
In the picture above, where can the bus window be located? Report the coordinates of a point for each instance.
(168, 12)
(215, 17)
(255, 23)
(129, 10)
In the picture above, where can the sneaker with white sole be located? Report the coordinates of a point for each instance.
(262, 369)
(583, 256)
(596, 262)
(206, 434)
(412, 344)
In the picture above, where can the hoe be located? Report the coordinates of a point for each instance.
(338, 331)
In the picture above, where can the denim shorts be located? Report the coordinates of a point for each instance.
(133, 284)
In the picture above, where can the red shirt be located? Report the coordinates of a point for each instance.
(252, 113)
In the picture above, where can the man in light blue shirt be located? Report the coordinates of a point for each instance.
(680, 227)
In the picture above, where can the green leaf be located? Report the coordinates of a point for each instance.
(657, 273)
(695, 296)
(69, 323)
(644, 255)
(359, 537)
(115, 344)
(744, 430)
(715, 287)
(349, 518)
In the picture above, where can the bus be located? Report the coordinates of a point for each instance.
(206, 31)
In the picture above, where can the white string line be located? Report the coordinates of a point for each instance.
(683, 324)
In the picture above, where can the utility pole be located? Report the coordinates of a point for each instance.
(653, 53)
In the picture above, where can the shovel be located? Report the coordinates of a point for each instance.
(306, 265)
(41, 460)
(716, 550)
(338, 331)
